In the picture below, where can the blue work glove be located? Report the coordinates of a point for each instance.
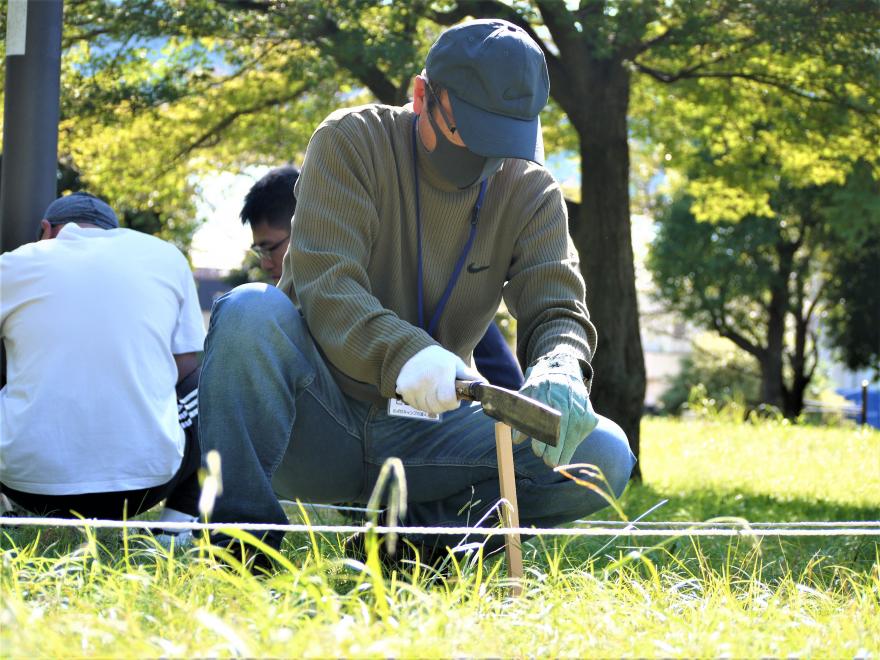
(557, 381)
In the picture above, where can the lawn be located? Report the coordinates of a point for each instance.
(68, 593)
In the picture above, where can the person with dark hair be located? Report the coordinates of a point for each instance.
(412, 224)
(269, 207)
(102, 328)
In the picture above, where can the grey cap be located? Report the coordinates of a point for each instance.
(81, 207)
(497, 80)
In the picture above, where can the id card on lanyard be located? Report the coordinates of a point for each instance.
(396, 407)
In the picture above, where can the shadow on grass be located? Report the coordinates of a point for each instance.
(698, 505)
(777, 556)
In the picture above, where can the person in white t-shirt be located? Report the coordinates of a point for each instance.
(102, 330)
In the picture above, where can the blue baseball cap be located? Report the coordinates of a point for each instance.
(81, 207)
(497, 81)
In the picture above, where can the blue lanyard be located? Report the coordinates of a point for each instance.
(441, 305)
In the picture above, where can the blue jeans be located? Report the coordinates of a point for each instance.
(282, 426)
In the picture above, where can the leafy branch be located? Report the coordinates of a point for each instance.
(213, 134)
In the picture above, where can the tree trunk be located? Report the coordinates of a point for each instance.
(772, 386)
(803, 309)
(773, 390)
(602, 234)
(801, 375)
(794, 401)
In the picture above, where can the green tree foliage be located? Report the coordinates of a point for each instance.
(764, 282)
(159, 92)
(725, 373)
(151, 103)
(852, 317)
(794, 98)
(853, 320)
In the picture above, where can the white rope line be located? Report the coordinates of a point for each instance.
(624, 524)
(629, 524)
(871, 528)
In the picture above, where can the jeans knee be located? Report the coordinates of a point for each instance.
(240, 307)
(608, 449)
(245, 316)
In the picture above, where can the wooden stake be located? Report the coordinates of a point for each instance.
(510, 511)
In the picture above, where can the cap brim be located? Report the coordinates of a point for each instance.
(498, 136)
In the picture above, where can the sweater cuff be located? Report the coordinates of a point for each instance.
(569, 354)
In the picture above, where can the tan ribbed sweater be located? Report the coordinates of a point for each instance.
(352, 262)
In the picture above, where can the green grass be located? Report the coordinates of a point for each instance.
(67, 594)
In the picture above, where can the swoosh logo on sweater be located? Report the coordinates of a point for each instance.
(474, 268)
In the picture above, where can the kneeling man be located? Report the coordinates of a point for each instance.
(102, 328)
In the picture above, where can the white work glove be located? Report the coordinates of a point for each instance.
(427, 380)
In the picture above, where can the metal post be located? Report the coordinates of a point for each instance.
(30, 118)
(864, 419)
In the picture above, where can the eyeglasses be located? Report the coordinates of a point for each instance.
(265, 251)
(443, 114)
